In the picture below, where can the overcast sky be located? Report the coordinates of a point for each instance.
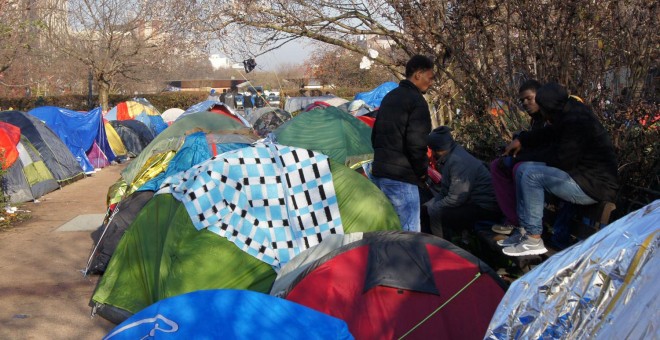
(295, 52)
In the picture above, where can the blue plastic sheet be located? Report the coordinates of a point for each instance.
(375, 96)
(76, 129)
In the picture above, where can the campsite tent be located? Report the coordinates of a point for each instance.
(57, 157)
(78, 131)
(10, 135)
(197, 148)
(335, 101)
(170, 115)
(155, 157)
(216, 107)
(266, 119)
(265, 216)
(28, 178)
(605, 287)
(330, 131)
(117, 146)
(107, 236)
(141, 110)
(375, 96)
(367, 120)
(295, 104)
(134, 134)
(390, 285)
(229, 314)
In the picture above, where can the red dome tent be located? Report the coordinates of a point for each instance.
(393, 284)
(10, 135)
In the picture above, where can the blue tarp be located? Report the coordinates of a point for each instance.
(202, 106)
(155, 123)
(76, 129)
(375, 96)
(229, 314)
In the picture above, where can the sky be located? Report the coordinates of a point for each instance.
(295, 52)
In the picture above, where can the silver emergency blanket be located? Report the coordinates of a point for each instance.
(606, 287)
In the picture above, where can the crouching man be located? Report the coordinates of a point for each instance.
(466, 192)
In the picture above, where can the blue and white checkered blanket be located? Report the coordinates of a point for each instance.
(272, 201)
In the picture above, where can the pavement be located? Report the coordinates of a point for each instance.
(43, 294)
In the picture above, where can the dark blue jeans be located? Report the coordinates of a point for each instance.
(533, 179)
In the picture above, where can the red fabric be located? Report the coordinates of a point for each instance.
(367, 120)
(10, 135)
(316, 104)
(221, 109)
(336, 288)
(214, 149)
(122, 112)
(432, 171)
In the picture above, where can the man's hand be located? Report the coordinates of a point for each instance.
(513, 148)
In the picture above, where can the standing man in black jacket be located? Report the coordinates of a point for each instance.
(581, 168)
(399, 141)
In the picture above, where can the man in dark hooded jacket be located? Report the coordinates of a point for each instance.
(466, 192)
(399, 141)
(581, 168)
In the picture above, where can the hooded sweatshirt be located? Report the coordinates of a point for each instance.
(581, 145)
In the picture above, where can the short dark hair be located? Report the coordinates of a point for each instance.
(418, 63)
(529, 84)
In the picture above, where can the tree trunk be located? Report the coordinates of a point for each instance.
(104, 91)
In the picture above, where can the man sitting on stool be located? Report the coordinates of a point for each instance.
(582, 169)
(466, 192)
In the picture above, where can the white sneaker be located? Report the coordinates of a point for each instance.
(528, 246)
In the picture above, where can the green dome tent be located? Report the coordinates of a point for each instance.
(330, 131)
(163, 254)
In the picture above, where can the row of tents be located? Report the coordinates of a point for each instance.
(261, 221)
(214, 223)
(48, 147)
(209, 205)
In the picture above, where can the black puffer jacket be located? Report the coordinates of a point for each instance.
(399, 135)
(582, 146)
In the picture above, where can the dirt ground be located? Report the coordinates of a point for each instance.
(43, 294)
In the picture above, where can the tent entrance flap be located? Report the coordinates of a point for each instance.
(398, 265)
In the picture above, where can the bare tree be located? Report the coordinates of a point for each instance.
(19, 29)
(483, 49)
(120, 39)
(339, 67)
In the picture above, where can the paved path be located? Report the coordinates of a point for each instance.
(43, 294)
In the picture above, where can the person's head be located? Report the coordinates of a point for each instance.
(440, 140)
(213, 92)
(419, 71)
(527, 95)
(552, 99)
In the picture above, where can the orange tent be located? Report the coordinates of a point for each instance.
(10, 135)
